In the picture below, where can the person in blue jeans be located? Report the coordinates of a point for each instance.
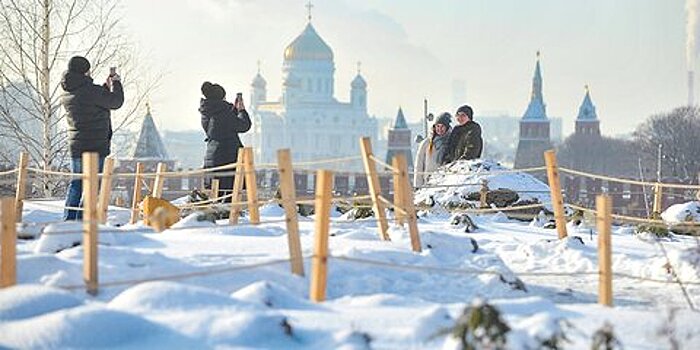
(87, 107)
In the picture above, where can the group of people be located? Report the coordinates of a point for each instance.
(445, 144)
(88, 105)
(88, 109)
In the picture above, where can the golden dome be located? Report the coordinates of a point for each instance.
(308, 46)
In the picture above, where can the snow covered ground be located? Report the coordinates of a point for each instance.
(370, 304)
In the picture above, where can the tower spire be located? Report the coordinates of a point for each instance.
(359, 67)
(258, 66)
(309, 6)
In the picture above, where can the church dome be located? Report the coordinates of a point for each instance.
(259, 81)
(359, 83)
(308, 46)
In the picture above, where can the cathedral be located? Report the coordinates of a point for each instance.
(308, 118)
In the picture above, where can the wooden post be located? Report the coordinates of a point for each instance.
(251, 185)
(658, 199)
(8, 243)
(604, 221)
(21, 185)
(238, 180)
(158, 182)
(214, 189)
(105, 189)
(550, 159)
(90, 185)
(399, 192)
(402, 165)
(137, 194)
(483, 192)
(288, 192)
(374, 187)
(319, 266)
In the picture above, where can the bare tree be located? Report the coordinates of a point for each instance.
(678, 132)
(37, 37)
(599, 154)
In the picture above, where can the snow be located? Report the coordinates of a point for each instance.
(380, 294)
(680, 213)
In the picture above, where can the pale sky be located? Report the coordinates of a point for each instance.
(630, 52)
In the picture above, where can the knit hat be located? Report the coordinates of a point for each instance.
(444, 119)
(78, 64)
(213, 91)
(467, 110)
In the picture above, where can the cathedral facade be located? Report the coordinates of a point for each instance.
(308, 118)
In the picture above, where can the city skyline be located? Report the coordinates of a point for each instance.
(631, 53)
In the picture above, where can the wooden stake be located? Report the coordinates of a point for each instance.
(658, 199)
(21, 185)
(550, 159)
(399, 192)
(158, 182)
(604, 222)
(374, 187)
(288, 192)
(319, 266)
(137, 194)
(214, 189)
(238, 180)
(251, 185)
(8, 243)
(105, 189)
(407, 194)
(483, 193)
(90, 185)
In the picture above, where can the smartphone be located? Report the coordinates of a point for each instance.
(239, 96)
(112, 71)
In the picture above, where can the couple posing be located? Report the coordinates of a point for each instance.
(445, 145)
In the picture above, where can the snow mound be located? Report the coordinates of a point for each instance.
(48, 270)
(271, 210)
(86, 327)
(57, 237)
(193, 220)
(566, 255)
(682, 213)
(153, 296)
(28, 300)
(273, 296)
(430, 324)
(463, 177)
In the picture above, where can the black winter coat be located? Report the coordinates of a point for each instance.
(87, 108)
(464, 142)
(222, 123)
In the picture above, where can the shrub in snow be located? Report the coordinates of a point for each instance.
(557, 339)
(683, 218)
(604, 339)
(463, 220)
(654, 229)
(480, 327)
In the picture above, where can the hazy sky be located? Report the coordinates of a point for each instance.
(630, 52)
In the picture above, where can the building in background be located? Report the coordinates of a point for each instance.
(307, 118)
(534, 137)
(399, 140)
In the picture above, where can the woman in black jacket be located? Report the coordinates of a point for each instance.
(222, 121)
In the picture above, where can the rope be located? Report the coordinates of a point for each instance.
(8, 172)
(380, 162)
(631, 182)
(182, 275)
(484, 172)
(495, 210)
(56, 173)
(633, 218)
(675, 276)
(455, 270)
(331, 160)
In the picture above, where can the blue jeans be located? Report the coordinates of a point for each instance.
(75, 190)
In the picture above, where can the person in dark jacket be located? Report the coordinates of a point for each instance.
(465, 140)
(87, 110)
(222, 121)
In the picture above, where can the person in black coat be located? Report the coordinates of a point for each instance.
(87, 110)
(222, 121)
(465, 140)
